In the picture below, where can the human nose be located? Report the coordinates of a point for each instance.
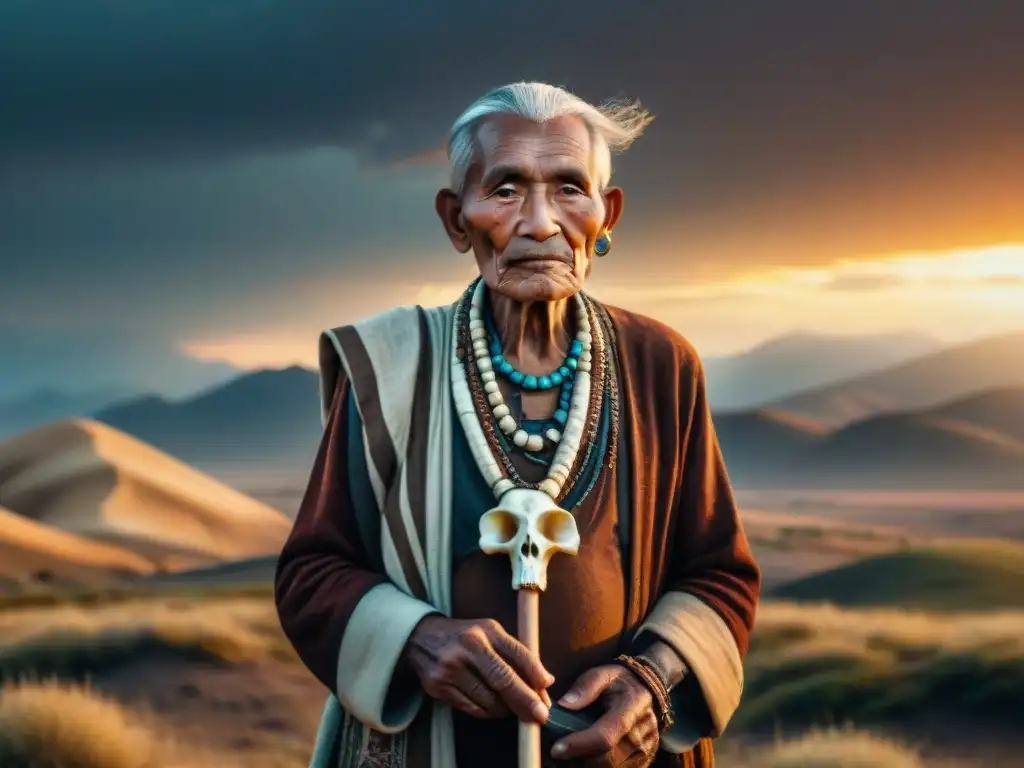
(538, 218)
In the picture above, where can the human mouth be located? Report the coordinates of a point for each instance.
(527, 258)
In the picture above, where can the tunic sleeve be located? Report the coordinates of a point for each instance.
(335, 605)
(706, 613)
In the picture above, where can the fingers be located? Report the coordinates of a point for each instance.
(457, 699)
(471, 687)
(601, 738)
(520, 658)
(467, 667)
(646, 738)
(523, 700)
(589, 687)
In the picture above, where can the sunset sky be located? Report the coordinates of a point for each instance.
(181, 184)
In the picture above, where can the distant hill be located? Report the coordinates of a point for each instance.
(263, 428)
(989, 363)
(912, 450)
(758, 445)
(999, 409)
(93, 482)
(970, 443)
(799, 361)
(961, 576)
(266, 417)
(43, 405)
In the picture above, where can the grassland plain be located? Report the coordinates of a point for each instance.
(949, 575)
(196, 679)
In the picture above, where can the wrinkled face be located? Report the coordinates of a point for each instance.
(529, 528)
(531, 209)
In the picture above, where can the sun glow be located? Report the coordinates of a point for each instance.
(952, 295)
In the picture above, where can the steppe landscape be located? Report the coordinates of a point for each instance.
(137, 547)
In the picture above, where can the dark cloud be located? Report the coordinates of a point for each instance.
(164, 160)
(102, 78)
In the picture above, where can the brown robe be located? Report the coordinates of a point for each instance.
(688, 551)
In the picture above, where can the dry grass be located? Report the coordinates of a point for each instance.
(838, 749)
(77, 641)
(821, 664)
(809, 664)
(50, 724)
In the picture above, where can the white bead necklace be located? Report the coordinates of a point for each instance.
(568, 441)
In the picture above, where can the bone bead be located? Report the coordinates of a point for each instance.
(492, 474)
(490, 386)
(501, 411)
(561, 469)
(520, 437)
(584, 336)
(475, 323)
(583, 365)
(484, 364)
(550, 487)
(478, 333)
(495, 399)
(502, 487)
(487, 376)
(559, 477)
(553, 435)
(507, 425)
(534, 443)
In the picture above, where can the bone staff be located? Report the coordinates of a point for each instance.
(528, 631)
(529, 528)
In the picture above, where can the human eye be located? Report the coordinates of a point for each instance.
(571, 189)
(505, 191)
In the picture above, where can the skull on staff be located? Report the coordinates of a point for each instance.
(529, 527)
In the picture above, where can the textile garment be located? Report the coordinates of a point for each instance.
(689, 579)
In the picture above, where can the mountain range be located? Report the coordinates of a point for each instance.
(953, 417)
(43, 405)
(798, 362)
(923, 382)
(960, 444)
(780, 367)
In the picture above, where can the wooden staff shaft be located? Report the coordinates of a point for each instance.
(528, 629)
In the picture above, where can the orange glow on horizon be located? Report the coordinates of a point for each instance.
(952, 295)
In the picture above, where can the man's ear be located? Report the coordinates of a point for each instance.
(449, 210)
(613, 200)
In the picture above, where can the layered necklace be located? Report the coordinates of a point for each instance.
(489, 424)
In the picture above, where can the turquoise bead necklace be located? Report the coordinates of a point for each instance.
(562, 377)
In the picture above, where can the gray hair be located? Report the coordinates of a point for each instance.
(613, 125)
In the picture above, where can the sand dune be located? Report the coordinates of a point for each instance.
(95, 482)
(28, 548)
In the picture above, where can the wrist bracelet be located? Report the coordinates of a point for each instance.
(652, 681)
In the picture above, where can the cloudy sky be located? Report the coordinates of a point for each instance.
(187, 180)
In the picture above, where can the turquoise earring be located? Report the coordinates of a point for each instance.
(603, 244)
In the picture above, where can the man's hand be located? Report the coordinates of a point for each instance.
(626, 736)
(477, 667)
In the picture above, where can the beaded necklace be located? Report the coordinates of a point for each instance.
(470, 341)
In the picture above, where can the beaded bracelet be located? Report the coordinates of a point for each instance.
(652, 681)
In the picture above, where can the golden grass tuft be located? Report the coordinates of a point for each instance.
(77, 642)
(837, 748)
(818, 664)
(52, 724)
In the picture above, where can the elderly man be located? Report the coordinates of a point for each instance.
(433, 414)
